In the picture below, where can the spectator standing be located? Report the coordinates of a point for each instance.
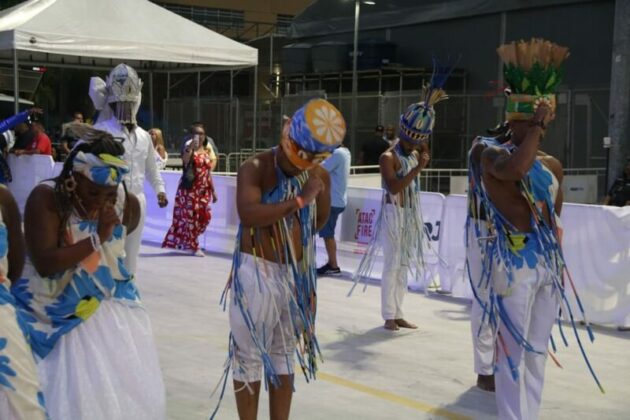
(209, 143)
(619, 194)
(68, 142)
(161, 156)
(372, 149)
(338, 167)
(191, 214)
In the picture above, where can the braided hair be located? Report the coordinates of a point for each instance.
(92, 141)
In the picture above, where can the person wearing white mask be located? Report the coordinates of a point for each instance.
(118, 99)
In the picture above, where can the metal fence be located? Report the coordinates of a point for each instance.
(575, 137)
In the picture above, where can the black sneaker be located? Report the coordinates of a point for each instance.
(327, 270)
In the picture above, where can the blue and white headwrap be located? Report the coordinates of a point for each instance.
(104, 169)
(318, 127)
(416, 124)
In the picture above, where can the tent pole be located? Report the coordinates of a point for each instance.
(168, 85)
(198, 96)
(255, 108)
(619, 108)
(151, 109)
(271, 54)
(230, 133)
(16, 82)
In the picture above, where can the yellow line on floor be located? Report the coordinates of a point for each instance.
(388, 396)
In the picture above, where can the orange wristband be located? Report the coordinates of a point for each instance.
(300, 201)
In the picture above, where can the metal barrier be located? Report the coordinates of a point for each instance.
(439, 180)
(431, 179)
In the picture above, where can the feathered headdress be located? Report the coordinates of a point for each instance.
(416, 124)
(533, 70)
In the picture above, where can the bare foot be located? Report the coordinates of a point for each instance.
(390, 324)
(485, 382)
(404, 324)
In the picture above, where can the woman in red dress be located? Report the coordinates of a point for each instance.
(192, 214)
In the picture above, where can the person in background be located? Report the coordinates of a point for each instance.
(619, 194)
(66, 141)
(338, 167)
(372, 149)
(213, 150)
(8, 138)
(390, 134)
(192, 214)
(40, 143)
(161, 156)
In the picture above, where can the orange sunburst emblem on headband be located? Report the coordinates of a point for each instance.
(325, 122)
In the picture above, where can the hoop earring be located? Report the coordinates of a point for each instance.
(70, 184)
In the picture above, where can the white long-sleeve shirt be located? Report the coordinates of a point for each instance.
(139, 154)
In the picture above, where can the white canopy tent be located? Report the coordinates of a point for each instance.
(99, 34)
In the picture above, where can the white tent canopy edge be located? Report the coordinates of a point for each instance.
(99, 34)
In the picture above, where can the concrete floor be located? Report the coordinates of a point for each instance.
(368, 373)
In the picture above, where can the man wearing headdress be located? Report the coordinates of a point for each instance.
(118, 98)
(283, 199)
(400, 227)
(519, 191)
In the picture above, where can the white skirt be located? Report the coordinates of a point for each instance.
(106, 368)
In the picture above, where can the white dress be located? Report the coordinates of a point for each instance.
(92, 335)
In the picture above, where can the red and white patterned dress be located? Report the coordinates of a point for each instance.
(192, 214)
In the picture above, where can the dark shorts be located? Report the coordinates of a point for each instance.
(328, 231)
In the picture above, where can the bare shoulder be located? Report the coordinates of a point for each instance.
(131, 215)
(490, 154)
(42, 197)
(7, 202)
(5, 195)
(320, 172)
(386, 157)
(255, 163)
(476, 150)
(256, 169)
(41, 201)
(554, 165)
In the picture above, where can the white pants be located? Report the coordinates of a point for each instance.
(482, 336)
(533, 309)
(395, 270)
(134, 239)
(266, 296)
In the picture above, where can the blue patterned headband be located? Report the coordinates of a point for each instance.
(416, 124)
(104, 169)
(318, 127)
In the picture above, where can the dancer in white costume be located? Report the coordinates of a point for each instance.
(86, 322)
(400, 230)
(523, 266)
(118, 99)
(283, 199)
(20, 395)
